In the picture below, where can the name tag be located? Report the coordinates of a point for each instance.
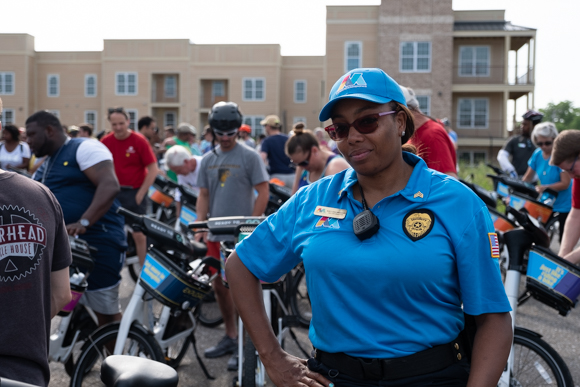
(522, 145)
(329, 212)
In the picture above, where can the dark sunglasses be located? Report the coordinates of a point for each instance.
(116, 110)
(302, 163)
(546, 143)
(225, 134)
(364, 125)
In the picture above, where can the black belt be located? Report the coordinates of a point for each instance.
(420, 363)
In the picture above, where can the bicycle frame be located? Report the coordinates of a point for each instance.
(56, 351)
(136, 312)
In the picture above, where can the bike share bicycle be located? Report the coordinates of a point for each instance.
(552, 281)
(175, 275)
(276, 298)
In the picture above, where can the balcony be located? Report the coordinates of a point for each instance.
(493, 75)
(212, 91)
(165, 89)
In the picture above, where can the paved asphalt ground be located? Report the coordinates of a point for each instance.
(562, 333)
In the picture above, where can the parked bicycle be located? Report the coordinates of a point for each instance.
(552, 281)
(276, 297)
(176, 276)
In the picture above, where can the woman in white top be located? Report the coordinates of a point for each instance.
(13, 152)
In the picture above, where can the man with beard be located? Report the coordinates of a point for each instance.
(80, 173)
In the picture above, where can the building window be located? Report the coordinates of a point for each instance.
(56, 113)
(91, 118)
(133, 114)
(298, 119)
(90, 85)
(169, 119)
(254, 122)
(254, 89)
(424, 104)
(473, 158)
(53, 85)
(126, 83)
(300, 91)
(170, 86)
(352, 55)
(415, 57)
(6, 83)
(474, 61)
(472, 113)
(7, 117)
(218, 89)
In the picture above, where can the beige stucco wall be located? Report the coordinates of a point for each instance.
(310, 69)
(496, 115)
(496, 60)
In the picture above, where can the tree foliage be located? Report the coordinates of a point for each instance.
(563, 114)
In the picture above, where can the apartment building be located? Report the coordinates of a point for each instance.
(462, 65)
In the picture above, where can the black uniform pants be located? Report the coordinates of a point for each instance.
(455, 375)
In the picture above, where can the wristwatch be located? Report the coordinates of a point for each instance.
(84, 222)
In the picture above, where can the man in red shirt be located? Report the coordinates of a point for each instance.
(431, 140)
(135, 166)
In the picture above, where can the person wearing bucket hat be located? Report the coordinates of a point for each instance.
(401, 323)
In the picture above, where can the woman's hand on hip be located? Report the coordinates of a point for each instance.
(290, 371)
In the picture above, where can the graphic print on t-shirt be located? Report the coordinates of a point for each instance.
(223, 174)
(22, 242)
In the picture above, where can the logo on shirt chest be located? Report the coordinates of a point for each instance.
(130, 151)
(22, 242)
(417, 224)
(327, 222)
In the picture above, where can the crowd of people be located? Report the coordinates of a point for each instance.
(375, 183)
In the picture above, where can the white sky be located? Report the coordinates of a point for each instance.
(297, 25)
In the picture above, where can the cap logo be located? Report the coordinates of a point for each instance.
(352, 80)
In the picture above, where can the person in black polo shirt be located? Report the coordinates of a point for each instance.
(272, 151)
(520, 148)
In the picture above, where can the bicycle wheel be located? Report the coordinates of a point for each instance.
(253, 372)
(536, 363)
(208, 311)
(82, 323)
(299, 299)
(175, 352)
(101, 344)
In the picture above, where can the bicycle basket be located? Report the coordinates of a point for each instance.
(536, 209)
(500, 221)
(158, 196)
(170, 284)
(552, 280)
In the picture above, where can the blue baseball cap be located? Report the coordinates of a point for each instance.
(372, 85)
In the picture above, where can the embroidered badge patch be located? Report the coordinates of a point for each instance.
(493, 244)
(417, 224)
(327, 222)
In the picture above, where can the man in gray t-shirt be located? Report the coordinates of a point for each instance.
(227, 179)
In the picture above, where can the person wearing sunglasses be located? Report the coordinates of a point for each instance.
(310, 160)
(550, 176)
(565, 154)
(391, 263)
(228, 176)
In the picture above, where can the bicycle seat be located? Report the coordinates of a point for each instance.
(132, 371)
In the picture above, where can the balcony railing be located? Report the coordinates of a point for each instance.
(492, 75)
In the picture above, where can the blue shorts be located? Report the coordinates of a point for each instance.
(109, 261)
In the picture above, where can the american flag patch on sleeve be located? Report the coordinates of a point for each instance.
(493, 244)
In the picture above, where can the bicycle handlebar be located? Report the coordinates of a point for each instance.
(227, 225)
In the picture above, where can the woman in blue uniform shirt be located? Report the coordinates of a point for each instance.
(387, 290)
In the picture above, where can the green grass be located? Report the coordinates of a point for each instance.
(477, 174)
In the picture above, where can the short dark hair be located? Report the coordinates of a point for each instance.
(145, 121)
(119, 110)
(14, 132)
(44, 119)
(86, 128)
